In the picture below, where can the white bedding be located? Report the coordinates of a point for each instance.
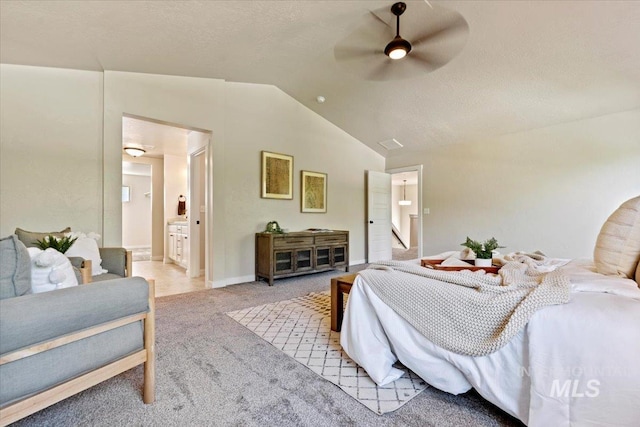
(573, 364)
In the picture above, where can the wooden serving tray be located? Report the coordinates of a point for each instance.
(436, 265)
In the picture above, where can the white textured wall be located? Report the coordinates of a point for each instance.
(244, 119)
(50, 149)
(136, 214)
(260, 117)
(549, 189)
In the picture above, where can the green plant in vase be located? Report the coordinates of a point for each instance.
(483, 250)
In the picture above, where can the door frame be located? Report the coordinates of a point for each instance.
(194, 202)
(418, 169)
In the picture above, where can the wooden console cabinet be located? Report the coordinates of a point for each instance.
(292, 254)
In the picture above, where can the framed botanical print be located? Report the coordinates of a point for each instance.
(277, 176)
(314, 192)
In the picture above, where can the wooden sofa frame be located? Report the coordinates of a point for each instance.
(41, 400)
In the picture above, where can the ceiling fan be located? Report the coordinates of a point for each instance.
(377, 51)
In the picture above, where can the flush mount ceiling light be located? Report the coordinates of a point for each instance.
(404, 201)
(134, 151)
(398, 48)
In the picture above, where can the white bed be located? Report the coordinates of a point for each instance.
(574, 364)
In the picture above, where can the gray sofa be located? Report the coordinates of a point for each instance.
(56, 344)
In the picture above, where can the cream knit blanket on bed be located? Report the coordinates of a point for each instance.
(466, 312)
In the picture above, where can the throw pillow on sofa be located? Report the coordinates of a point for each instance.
(50, 270)
(30, 238)
(87, 247)
(15, 268)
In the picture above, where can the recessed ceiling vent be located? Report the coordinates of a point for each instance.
(391, 144)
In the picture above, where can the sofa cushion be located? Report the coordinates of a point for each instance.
(41, 371)
(617, 250)
(15, 268)
(114, 260)
(30, 238)
(35, 318)
(104, 276)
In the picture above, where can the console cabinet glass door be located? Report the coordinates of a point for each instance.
(339, 256)
(283, 261)
(304, 260)
(323, 257)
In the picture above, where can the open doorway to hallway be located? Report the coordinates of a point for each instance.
(404, 215)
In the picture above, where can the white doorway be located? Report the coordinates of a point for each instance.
(406, 212)
(171, 151)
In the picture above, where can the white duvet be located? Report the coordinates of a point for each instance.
(575, 364)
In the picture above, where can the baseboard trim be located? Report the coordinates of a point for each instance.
(232, 281)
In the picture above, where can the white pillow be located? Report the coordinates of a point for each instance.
(617, 249)
(50, 270)
(87, 247)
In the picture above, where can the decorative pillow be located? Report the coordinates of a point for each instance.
(15, 268)
(50, 270)
(87, 247)
(29, 238)
(617, 249)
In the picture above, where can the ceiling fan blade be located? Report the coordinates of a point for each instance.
(454, 26)
(349, 53)
(379, 19)
(427, 61)
(382, 71)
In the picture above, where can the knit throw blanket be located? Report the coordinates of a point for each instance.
(470, 313)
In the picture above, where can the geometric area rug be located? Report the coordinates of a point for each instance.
(301, 328)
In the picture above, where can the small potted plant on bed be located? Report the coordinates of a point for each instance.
(483, 251)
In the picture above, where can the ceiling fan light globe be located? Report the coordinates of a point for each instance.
(397, 53)
(397, 48)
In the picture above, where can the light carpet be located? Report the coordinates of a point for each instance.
(212, 371)
(301, 328)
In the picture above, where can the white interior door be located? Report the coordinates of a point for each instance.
(378, 216)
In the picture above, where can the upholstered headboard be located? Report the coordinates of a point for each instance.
(617, 251)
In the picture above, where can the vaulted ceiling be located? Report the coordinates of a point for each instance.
(523, 64)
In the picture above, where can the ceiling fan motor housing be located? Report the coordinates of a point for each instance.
(397, 43)
(398, 8)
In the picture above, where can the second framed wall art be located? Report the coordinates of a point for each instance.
(313, 192)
